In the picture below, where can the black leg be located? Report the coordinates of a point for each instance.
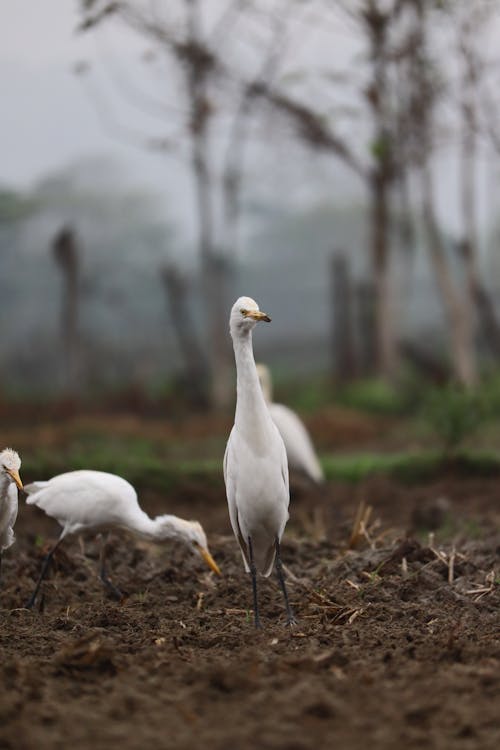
(103, 574)
(253, 571)
(43, 573)
(0, 567)
(290, 617)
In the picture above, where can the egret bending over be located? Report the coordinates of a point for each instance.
(255, 464)
(10, 463)
(299, 448)
(96, 501)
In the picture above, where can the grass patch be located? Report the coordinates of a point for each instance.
(408, 467)
(372, 396)
(306, 397)
(149, 472)
(144, 464)
(356, 467)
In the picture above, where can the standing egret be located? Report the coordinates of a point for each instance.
(255, 465)
(10, 463)
(299, 448)
(96, 501)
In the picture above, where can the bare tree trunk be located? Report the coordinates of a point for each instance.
(456, 303)
(377, 23)
(196, 371)
(457, 306)
(232, 177)
(365, 327)
(426, 363)
(386, 351)
(218, 284)
(66, 255)
(344, 356)
(213, 280)
(487, 317)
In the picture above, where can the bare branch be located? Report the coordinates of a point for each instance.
(310, 126)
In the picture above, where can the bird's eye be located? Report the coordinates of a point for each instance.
(244, 312)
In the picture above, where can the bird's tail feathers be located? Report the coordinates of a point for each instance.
(263, 558)
(32, 488)
(268, 563)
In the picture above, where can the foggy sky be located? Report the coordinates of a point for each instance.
(49, 121)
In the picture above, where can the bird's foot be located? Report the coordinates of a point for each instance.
(117, 595)
(291, 621)
(30, 604)
(115, 592)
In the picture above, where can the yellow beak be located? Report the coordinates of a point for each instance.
(209, 559)
(15, 476)
(258, 315)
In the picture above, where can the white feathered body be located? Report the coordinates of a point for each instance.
(255, 466)
(257, 494)
(299, 448)
(88, 500)
(8, 514)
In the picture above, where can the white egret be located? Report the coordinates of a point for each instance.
(10, 463)
(299, 447)
(87, 500)
(255, 464)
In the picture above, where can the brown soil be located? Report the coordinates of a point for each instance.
(395, 648)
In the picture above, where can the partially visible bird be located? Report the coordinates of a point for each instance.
(299, 447)
(88, 500)
(10, 463)
(255, 464)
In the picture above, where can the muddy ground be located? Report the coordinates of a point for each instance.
(397, 646)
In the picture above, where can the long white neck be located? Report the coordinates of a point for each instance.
(252, 414)
(155, 529)
(141, 525)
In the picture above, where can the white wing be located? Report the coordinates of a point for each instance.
(257, 494)
(230, 474)
(85, 499)
(298, 444)
(8, 515)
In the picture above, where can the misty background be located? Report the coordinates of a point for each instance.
(199, 151)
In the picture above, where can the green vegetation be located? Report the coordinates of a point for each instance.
(453, 414)
(14, 206)
(408, 467)
(312, 396)
(373, 396)
(369, 395)
(445, 430)
(147, 470)
(143, 472)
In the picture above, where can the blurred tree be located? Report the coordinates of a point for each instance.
(210, 89)
(426, 87)
(399, 78)
(127, 236)
(344, 353)
(380, 25)
(176, 286)
(15, 207)
(65, 250)
(470, 25)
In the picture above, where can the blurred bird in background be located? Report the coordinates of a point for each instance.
(300, 451)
